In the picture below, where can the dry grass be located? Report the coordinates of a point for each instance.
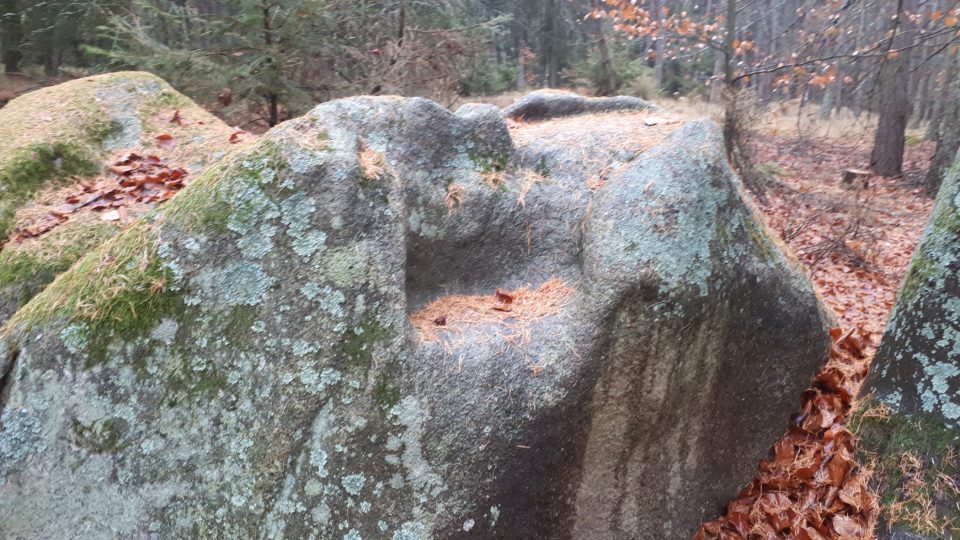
(494, 179)
(790, 119)
(916, 506)
(529, 179)
(201, 141)
(372, 163)
(876, 411)
(613, 131)
(454, 198)
(445, 319)
(47, 115)
(68, 111)
(598, 180)
(922, 485)
(42, 207)
(786, 118)
(596, 139)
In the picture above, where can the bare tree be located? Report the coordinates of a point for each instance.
(894, 101)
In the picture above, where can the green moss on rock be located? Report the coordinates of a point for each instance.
(542, 168)
(493, 162)
(18, 267)
(99, 436)
(101, 129)
(914, 457)
(120, 290)
(385, 394)
(356, 346)
(68, 243)
(921, 270)
(182, 383)
(22, 276)
(221, 194)
(239, 321)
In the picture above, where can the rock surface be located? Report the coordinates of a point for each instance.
(546, 104)
(303, 343)
(915, 379)
(53, 137)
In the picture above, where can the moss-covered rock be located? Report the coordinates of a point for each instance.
(242, 362)
(75, 128)
(27, 267)
(914, 458)
(916, 376)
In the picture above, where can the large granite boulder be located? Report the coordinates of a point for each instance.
(385, 320)
(546, 104)
(911, 421)
(57, 136)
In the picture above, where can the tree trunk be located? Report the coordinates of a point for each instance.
(857, 93)
(942, 99)
(273, 99)
(730, 120)
(921, 97)
(50, 67)
(11, 35)
(886, 159)
(765, 80)
(829, 100)
(521, 67)
(948, 139)
(716, 82)
(658, 47)
(549, 42)
(273, 106)
(608, 79)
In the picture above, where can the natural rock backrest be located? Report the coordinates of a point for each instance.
(546, 104)
(914, 384)
(306, 341)
(54, 137)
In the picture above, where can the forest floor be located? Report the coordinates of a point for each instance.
(14, 85)
(856, 242)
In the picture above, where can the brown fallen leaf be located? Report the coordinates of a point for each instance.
(165, 141)
(504, 297)
(225, 97)
(504, 300)
(178, 119)
(237, 136)
(840, 466)
(846, 526)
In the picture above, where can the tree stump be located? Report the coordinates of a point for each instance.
(856, 178)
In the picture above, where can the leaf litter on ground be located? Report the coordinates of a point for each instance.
(856, 242)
